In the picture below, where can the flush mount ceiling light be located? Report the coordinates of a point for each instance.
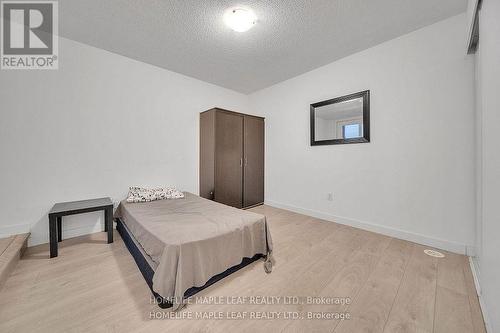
(239, 19)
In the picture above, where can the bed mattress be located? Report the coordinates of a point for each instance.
(190, 240)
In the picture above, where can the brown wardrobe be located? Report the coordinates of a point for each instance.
(232, 158)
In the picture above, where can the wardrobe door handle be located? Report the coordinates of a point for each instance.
(241, 162)
(246, 161)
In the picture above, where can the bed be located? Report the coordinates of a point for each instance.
(182, 246)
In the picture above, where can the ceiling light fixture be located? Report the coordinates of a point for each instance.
(239, 19)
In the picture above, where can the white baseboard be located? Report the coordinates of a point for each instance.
(388, 231)
(10, 230)
(475, 274)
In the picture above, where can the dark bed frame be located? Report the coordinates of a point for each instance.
(148, 272)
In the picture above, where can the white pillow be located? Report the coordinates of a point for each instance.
(142, 194)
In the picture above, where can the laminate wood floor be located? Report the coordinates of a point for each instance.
(390, 285)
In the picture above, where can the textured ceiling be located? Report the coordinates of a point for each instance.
(290, 38)
(352, 108)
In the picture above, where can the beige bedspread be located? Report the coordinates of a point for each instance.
(192, 239)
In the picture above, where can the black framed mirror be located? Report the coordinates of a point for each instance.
(341, 120)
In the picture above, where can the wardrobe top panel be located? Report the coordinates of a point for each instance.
(233, 112)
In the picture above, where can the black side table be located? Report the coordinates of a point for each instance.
(78, 207)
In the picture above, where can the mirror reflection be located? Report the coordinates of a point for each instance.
(343, 120)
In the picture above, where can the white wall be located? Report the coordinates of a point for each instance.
(325, 129)
(99, 124)
(488, 96)
(416, 178)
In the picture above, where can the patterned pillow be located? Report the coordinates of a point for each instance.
(142, 194)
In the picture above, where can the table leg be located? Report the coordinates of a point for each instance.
(105, 220)
(59, 228)
(108, 221)
(53, 236)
